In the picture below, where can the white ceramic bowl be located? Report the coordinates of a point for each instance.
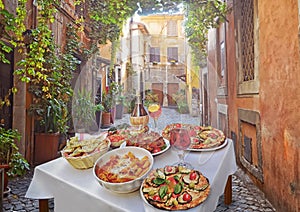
(129, 186)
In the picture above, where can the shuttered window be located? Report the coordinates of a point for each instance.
(246, 18)
(154, 54)
(172, 54)
(247, 39)
(172, 28)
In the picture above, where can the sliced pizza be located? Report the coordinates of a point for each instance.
(175, 188)
(202, 137)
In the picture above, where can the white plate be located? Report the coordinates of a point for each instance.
(157, 153)
(210, 149)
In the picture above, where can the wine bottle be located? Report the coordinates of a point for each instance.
(139, 115)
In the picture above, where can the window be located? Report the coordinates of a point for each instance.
(172, 28)
(247, 39)
(154, 54)
(221, 60)
(172, 54)
(222, 51)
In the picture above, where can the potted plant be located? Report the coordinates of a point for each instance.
(84, 110)
(50, 96)
(106, 104)
(49, 73)
(51, 116)
(111, 103)
(11, 160)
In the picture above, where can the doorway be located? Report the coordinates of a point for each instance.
(172, 89)
(6, 76)
(157, 88)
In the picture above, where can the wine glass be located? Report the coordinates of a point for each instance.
(154, 110)
(180, 141)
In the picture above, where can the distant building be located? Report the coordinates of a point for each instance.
(158, 50)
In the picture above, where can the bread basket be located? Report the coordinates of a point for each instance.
(87, 159)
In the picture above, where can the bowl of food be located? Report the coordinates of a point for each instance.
(123, 170)
(82, 154)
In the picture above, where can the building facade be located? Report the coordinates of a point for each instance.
(252, 82)
(169, 70)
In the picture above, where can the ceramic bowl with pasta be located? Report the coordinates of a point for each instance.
(123, 170)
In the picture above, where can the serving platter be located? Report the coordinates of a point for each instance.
(210, 149)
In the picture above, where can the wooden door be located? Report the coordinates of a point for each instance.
(6, 76)
(158, 88)
(172, 89)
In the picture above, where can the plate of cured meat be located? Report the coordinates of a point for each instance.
(151, 141)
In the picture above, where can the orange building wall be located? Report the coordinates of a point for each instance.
(277, 102)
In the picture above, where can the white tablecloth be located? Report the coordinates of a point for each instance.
(77, 190)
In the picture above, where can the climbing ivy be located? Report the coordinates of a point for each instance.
(202, 16)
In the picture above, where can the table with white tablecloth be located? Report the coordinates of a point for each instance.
(77, 190)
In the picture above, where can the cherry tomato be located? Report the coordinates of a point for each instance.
(178, 125)
(187, 197)
(156, 150)
(212, 135)
(172, 180)
(169, 168)
(156, 198)
(195, 140)
(193, 175)
(198, 128)
(192, 133)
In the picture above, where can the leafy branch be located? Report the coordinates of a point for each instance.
(202, 16)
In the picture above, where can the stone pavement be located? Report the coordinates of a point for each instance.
(246, 196)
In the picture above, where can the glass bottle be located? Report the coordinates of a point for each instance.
(139, 115)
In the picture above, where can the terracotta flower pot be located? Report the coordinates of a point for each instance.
(106, 120)
(46, 147)
(5, 167)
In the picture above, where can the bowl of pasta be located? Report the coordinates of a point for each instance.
(123, 170)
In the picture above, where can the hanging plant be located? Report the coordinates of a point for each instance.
(47, 71)
(11, 28)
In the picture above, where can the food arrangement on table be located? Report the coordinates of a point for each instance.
(175, 188)
(122, 160)
(203, 138)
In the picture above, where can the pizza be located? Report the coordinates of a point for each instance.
(202, 137)
(118, 135)
(175, 188)
(151, 141)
